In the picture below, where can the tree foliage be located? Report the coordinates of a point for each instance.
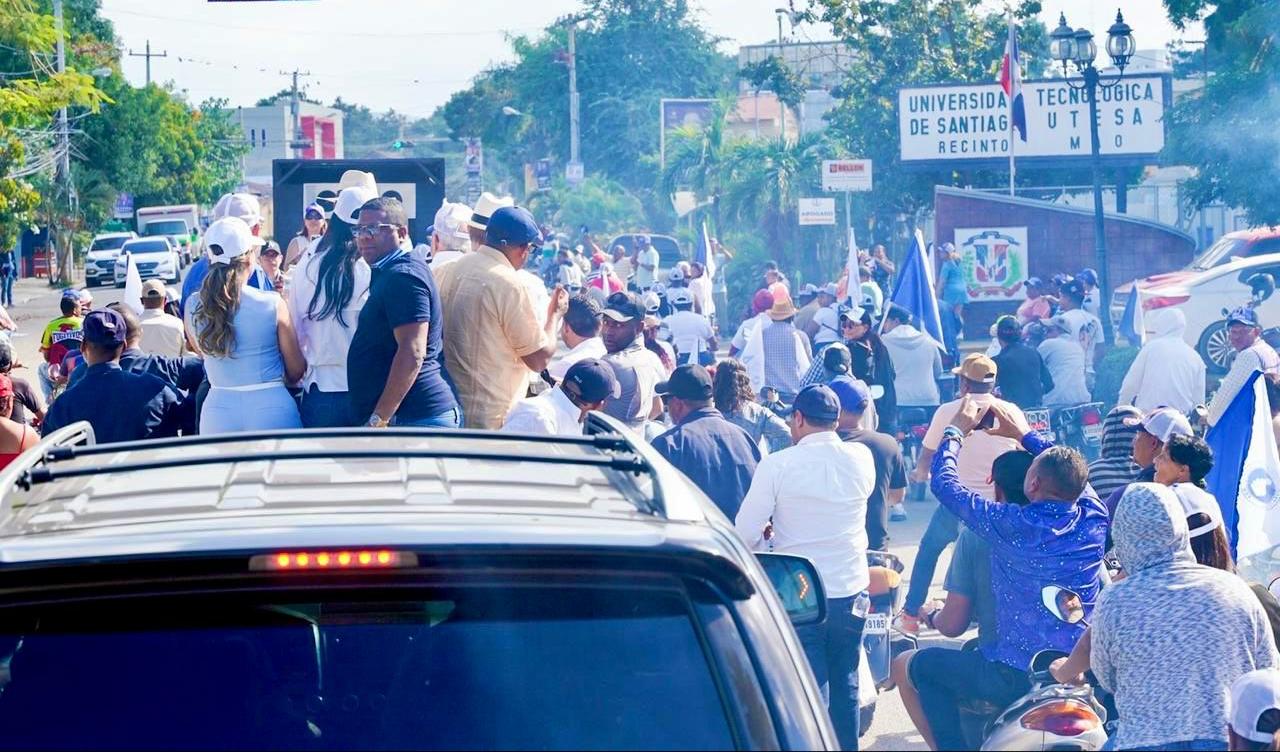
(600, 204)
(1228, 131)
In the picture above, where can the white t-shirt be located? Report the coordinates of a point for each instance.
(828, 323)
(688, 331)
(645, 277)
(701, 289)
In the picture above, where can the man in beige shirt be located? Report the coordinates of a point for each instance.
(162, 334)
(492, 336)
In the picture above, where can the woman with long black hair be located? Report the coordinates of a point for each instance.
(326, 294)
(871, 363)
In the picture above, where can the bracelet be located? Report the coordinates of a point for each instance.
(951, 432)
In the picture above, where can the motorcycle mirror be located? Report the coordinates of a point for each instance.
(1063, 603)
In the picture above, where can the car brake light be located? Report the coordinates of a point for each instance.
(1164, 301)
(1091, 418)
(311, 561)
(1064, 718)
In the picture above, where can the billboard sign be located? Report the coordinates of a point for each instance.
(846, 175)
(970, 122)
(678, 113)
(124, 206)
(473, 156)
(817, 211)
(994, 260)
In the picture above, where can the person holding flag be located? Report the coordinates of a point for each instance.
(701, 272)
(1252, 354)
(1011, 82)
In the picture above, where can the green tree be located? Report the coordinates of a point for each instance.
(602, 205)
(1223, 130)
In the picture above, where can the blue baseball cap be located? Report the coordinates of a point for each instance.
(104, 328)
(1089, 276)
(854, 395)
(512, 225)
(1035, 282)
(591, 380)
(818, 403)
(1243, 315)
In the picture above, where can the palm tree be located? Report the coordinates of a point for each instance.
(763, 181)
(693, 160)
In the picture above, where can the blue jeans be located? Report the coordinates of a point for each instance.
(944, 528)
(450, 418)
(834, 648)
(326, 409)
(944, 677)
(6, 290)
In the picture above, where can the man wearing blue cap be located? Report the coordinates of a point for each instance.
(562, 410)
(718, 456)
(493, 336)
(121, 406)
(816, 494)
(891, 471)
(1252, 354)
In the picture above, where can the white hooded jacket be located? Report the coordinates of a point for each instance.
(917, 363)
(1167, 371)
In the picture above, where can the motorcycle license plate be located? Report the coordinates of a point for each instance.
(876, 624)
(1093, 433)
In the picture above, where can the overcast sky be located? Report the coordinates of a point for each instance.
(412, 54)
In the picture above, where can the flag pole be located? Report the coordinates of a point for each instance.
(1013, 170)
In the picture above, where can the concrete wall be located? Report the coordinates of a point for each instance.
(1059, 239)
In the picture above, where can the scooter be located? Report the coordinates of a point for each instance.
(1080, 427)
(1051, 716)
(881, 643)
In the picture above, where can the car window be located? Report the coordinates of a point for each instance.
(147, 246)
(1264, 246)
(167, 227)
(484, 668)
(109, 244)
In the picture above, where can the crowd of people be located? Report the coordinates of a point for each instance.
(496, 322)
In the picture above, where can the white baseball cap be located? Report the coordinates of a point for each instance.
(485, 207)
(357, 179)
(1196, 500)
(830, 289)
(451, 221)
(243, 206)
(350, 200)
(680, 296)
(676, 275)
(1163, 423)
(1252, 695)
(228, 239)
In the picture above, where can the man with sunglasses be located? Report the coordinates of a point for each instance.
(395, 363)
(494, 338)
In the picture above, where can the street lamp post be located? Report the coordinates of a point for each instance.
(1077, 48)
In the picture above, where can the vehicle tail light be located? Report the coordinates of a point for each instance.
(1091, 417)
(919, 431)
(1063, 717)
(1164, 301)
(335, 560)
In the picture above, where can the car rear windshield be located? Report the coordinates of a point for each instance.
(109, 244)
(168, 227)
(458, 668)
(147, 246)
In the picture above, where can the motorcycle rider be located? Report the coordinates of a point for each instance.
(968, 585)
(1154, 431)
(1167, 372)
(1057, 539)
(1023, 378)
(1171, 625)
(1252, 354)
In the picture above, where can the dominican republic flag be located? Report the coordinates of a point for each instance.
(1245, 478)
(914, 292)
(1011, 81)
(702, 252)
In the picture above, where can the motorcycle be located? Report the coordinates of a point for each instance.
(881, 643)
(1080, 427)
(1050, 715)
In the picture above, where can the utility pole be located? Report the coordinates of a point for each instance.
(148, 55)
(782, 108)
(575, 159)
(62, 176)
(295, 112)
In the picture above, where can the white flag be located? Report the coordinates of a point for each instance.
(132, 285)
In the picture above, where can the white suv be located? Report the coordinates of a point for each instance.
(100, 260)
(155, 256)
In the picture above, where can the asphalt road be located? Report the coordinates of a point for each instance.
(36, 303)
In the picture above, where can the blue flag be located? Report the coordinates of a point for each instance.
(914, 292)
(702, 252)
(1132, 326)
(1245, 478)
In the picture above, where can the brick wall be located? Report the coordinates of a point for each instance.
(1059, 239)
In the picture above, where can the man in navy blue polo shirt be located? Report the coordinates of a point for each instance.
(121, 406)
(718, 456)
(395, 363)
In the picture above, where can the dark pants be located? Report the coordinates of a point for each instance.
(944, 678)
(877, 523)
(326, 409)
(833, 649)
(944, 528)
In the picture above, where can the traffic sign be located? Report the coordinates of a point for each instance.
(573, 173)
(817, 211)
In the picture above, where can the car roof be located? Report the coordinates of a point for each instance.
(115, 235)
(1254, 233)
(161, 238)
(68, 499)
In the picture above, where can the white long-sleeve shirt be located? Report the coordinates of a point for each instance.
(1257, 357)
(816, 492)
(549, 414)
(1167, 372)
(325, 342)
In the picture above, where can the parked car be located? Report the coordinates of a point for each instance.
(1242, 244)
(100, 259)
(397, 589)
(1204, 296)
(155, 257)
